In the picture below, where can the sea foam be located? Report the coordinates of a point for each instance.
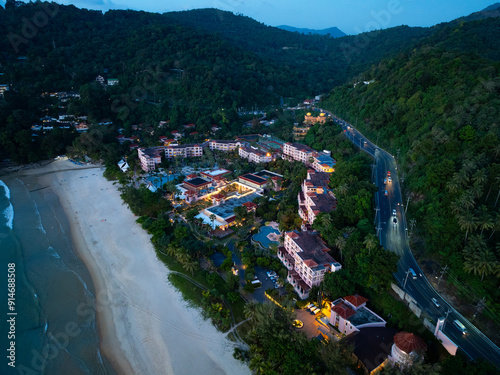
(8, 213)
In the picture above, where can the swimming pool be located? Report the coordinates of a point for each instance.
(261, 237)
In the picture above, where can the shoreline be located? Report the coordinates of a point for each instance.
(139, 314)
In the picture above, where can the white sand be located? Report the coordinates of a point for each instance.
(145, 326)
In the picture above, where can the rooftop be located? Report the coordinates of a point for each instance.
(226, 209)
(408, 342)
(253, 178)
(197, 182)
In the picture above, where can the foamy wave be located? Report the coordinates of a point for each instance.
(8, 213)
(39, 218)
(7, 191)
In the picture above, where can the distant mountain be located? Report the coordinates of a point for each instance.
(333, 31)
(492, 7)
(490, 11)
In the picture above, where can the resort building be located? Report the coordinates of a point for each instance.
(184, 151)
(223, 145)
(150, 157)
(315, 196)
(299, 152)
(255, 154)
(310, 119)
(253, 181)
(350, 314)
(320, 161)
(196, 184)
(306, 257)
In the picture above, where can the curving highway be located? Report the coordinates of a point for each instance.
(393, 236)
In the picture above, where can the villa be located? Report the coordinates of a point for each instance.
(253, 181)
(320, 161)
(350, 314)
(306, 257)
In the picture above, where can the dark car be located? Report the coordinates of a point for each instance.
(394, 221)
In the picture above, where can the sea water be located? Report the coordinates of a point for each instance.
(50, 321)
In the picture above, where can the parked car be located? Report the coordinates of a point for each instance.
(435, 302)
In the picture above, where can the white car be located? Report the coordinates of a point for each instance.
(435, 302)
(393, 212)
(390, 179)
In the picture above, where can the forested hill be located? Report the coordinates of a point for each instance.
(321, 62)
(334, 32)
(439, 106)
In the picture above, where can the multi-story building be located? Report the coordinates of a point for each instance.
(306, 257)
(221, 145)
(315, 196)
(150, 157)
(186, 151)
(320, 161)
(299, 152)
(323, 162)
(255, 155)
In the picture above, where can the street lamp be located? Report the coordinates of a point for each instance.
(406, 279)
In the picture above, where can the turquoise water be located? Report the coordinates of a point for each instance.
(55, 328)
(262, 236)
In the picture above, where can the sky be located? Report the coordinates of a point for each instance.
(350, 16)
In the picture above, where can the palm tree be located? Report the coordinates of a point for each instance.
(496, 224)
(212, 217)
(190, 266)
(340, 243)
(250, 310)
(342, 189)
(483, 262)
(467, 222)
(370, 242)
(485, 219)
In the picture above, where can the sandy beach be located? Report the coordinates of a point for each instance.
(145, 326)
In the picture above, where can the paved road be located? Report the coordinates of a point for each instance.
(394, 237)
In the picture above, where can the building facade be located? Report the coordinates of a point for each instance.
(184, 151)
(150, 157)
(306, 257)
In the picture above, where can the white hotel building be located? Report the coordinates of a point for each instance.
(306, 257)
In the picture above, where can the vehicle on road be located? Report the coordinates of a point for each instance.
(460, 326)
(413, 274)
(394, 222)
(390, 179)
(389, 173)
(435, 302)
(386, 193)
(385, 181)
(364, 143)
(393, 212)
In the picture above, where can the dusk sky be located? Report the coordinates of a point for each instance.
(351, 16)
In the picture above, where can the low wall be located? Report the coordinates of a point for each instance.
(449, 345)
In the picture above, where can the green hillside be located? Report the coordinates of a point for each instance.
(438, 105)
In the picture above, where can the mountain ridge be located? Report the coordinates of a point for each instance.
(334, 32)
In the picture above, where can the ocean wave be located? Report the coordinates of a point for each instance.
(7, 191)
(8, 213)
(39, 219)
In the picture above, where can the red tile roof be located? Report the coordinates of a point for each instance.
(249, 205)
(408, 342)
(356, 300)
(343, 310)
(218, 196)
